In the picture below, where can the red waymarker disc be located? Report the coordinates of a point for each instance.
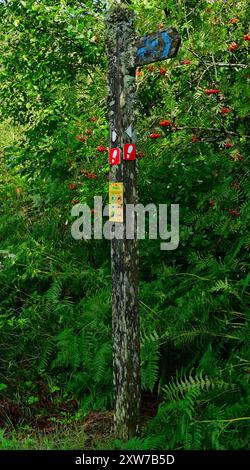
(114, 156)
(129, 152)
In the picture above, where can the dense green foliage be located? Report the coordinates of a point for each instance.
(55, 293)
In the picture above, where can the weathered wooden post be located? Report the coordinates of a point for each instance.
(124, 253)
(125, 51)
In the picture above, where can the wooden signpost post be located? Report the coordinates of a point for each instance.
(125, 52)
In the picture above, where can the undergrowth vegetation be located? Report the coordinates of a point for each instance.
(55, 292)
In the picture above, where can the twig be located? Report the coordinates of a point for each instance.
(210, 129)
(218, 64)
(225, 64)
(222, 420)
(215, 69)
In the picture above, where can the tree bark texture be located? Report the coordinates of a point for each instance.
(121, 53)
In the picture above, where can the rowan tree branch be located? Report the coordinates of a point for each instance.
(211, 129)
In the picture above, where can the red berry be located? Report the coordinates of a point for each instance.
(165, 123)
(81, 138)
(138, 73)
(212, 91)
(236, 156)
(195, 139)
(211, 202)
(224, 111)
(246, 37)
(155, 136)
(234, 21)
(233, 46)
(100, 148)
(141, 154)
(72, 187)
(229, 145)
(234, 212)
(74, 202)
(162, 71)
(186, 62)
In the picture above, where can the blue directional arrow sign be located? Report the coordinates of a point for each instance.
(157, 46)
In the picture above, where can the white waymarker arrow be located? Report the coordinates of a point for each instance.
(114, 136)
(129, 131)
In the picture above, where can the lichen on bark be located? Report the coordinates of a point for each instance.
(120, 37)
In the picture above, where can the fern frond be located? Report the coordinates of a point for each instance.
(178, 388)
(102, 361)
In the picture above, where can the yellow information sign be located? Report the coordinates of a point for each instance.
(116, 202)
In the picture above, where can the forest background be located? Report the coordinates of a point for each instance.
(55, 292)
